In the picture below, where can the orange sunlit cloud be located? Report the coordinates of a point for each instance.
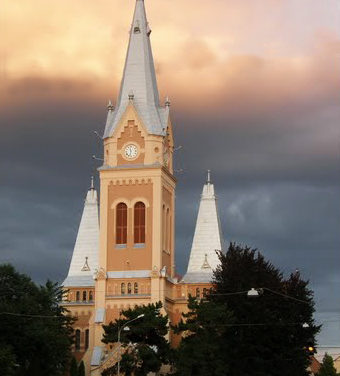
(230, 52)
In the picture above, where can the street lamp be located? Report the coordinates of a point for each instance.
(253, 293)
(124, 327)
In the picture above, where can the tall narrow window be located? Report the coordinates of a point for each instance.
(139, 225)
(164, 228)
(77, 296)
(87, 337)
(204, 292)
(135, 288)
(167, 236)
(90, 295)
(197, 292)
(129, 288)
(122, 288)
(77, 340)
(84, 296)
(121, 223)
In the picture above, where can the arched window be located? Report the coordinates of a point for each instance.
(121, 223)
(129, 288)
(77, 340)
(167, 230)
(87, 338)
(122, 288)
(204, 292)
(84, 296)
(91, 296)
(164, 227)
(139, 225)
(77, 296)
(197, 292)
(135, 288)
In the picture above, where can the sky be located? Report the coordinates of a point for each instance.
(255, 97)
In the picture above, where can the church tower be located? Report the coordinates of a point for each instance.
(137, 190)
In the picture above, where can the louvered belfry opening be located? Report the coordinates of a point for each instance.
(121, 224)
(139, 223)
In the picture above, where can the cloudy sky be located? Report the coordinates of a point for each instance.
(255, 91)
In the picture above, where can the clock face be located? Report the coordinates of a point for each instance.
(130, 151)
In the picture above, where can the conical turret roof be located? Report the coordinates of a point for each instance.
(207, 238)
(85, 253)
(139, 84)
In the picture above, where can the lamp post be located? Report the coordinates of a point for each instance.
(119, 331)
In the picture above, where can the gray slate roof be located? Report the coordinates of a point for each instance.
(139, 80)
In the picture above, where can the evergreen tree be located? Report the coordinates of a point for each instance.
(327, 367)
(74, 367)
(34, 328)
(81, 369)
(262, 336)
(149, 349)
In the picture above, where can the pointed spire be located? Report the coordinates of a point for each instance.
(139, 77)
(207, 238)
(139, 72)
(86, 245)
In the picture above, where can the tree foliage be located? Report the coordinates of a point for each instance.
(327, 367)
(34, 328)
(74, 367)
(81, 369)
(256, 336)
(145, 345)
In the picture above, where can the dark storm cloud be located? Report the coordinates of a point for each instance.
(276, 175)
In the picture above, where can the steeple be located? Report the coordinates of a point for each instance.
(85, 253)
(139, 84)
(207, 238)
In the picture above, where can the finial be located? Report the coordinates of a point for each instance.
(167, 102)
(86, 267)
(131, 95)
(206, 264)
(110, 106)
(208, 177)
(92, 183)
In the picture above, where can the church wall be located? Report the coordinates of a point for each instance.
(131, 134)
(133, 257)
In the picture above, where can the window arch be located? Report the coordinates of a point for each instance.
(87, 338)
(121, 223)
(122, 288)
(77, 296)
(129, 289)
(77, 340)
(84, 296)
(139, 222)
(90, 295)
(135, 288)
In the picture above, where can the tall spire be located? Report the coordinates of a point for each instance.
(85, 253)
(207, 238)
(139, 78)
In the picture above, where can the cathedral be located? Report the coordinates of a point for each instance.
(124, 254)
